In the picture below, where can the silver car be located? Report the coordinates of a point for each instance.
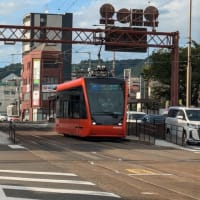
(185, 123)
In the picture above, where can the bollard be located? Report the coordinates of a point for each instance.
(12, 128)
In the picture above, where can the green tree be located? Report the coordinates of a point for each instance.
(159, 69)
(12, 68)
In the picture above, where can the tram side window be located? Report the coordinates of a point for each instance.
(65, 109)
(71, 104)
(83, 109)
(58, 106)
(74, 106)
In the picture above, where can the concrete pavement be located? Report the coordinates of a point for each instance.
(4, 138)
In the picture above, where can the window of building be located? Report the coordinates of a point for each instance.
(46, 95)
(6, 92)
(26, 96)
(50, 80)
(50, 63)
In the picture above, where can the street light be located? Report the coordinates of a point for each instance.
(189, 67)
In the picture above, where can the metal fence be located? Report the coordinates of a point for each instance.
(12, 129)
(147, 132)
(176, 135)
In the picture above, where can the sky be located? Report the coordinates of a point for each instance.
(173, 16)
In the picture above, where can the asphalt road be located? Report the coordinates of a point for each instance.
(44, 165)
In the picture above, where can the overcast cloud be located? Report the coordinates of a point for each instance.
(174, 16)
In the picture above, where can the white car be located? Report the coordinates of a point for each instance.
(3, 117)
(185, 123)
(134, 116)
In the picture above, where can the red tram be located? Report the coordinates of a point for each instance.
(92, 107)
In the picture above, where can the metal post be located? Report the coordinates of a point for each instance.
(189, 67)
(113, 63)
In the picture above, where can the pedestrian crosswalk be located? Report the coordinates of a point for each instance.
(29, 185)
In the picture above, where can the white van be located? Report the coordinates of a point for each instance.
(185, 123)
(134, 116)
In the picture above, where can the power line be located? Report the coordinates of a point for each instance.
(61, 5)
(166, 3)
(72, 4)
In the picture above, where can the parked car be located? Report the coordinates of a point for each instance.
(185, 123)
(3, 117)
(154, 119)
(134, 116)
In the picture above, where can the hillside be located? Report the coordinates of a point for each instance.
(134, 64)
(13, 68)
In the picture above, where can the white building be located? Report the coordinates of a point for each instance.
(9, 91)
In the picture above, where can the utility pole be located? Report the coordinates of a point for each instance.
(189, 66)
(113, 70)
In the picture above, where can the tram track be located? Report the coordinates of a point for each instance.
(101, 157)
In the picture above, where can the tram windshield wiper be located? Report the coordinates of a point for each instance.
(107, 113)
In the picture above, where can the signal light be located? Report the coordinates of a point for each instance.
(151, 14)
(107, 11)
(137, 17)
(133, 16)
(123, 15)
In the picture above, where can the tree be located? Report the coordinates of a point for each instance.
(159, 69)
(13, 68)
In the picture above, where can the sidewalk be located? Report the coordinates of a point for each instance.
(4, 138)
(165, 143)
(158, 142)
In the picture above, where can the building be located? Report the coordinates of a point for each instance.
(42, 71)
(9, 92)
(51, 20)
(44, 65)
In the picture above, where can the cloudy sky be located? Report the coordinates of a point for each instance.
(173, 16)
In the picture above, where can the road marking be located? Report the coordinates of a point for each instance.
(4, 197)
(61, 191)
(144, 172)
(148, 193)
(45, 180)
(38, 172)
(16, 146)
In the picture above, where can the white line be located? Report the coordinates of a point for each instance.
(37, 172)
(150, 174)
(16, 146)
(61, 191)
(45, 180)
(148, 193)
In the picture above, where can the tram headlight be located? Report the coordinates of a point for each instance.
(120, 124)
(94, 123)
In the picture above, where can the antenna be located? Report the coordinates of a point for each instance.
(46, 9)
(99, 53)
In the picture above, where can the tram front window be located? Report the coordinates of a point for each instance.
(106, 101)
